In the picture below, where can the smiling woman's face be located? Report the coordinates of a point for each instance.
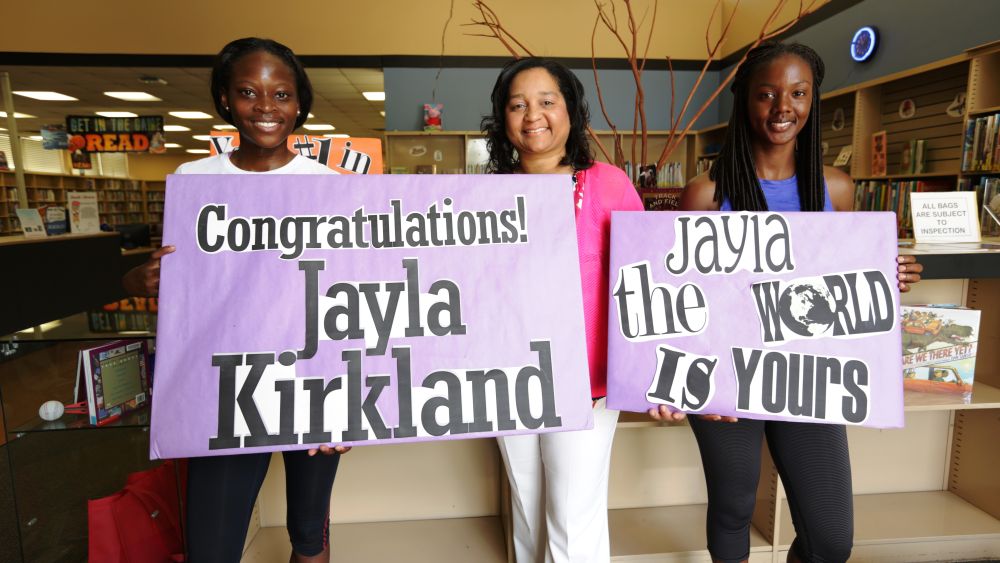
(262, 100)
(537, 117)
(780, 99)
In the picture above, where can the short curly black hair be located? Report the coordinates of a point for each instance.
(503, 159)
(222, 71)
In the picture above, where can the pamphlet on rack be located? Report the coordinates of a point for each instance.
(83, 212)
(113, 379)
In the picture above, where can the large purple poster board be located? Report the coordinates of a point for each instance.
(301, 310)
(789, 316)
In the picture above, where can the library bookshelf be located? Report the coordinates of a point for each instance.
(120, 200)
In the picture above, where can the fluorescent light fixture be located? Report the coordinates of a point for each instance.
(337, 135)
(17, 115)
(224, 127)
(172, 146)
(198, 151)
(116, 114)
(319, 127)
(176, 128)
(202, 137)
(191, 114)
(35, 137)
(46, 96)
(134, 96)
(382, 113)
(374, 96)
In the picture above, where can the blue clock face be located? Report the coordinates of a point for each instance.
(863, 44)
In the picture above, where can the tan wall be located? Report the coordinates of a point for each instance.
(378, 27)
(156, 166)
(751, 15)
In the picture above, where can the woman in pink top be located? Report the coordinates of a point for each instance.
(559, 481)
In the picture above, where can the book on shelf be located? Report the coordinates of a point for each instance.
(426, 169)
(911, 158)
(981, 144)
(83, 214)
(844, 156)
(113, 378)
(939, 348)
(894, 195)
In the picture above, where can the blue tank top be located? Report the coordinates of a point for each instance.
(783, 195)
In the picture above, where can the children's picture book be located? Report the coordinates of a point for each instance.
(939, 348)
(83, 214)
(113, 378)
(879, 153)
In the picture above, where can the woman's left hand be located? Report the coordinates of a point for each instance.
(330, 450)
(909, 271)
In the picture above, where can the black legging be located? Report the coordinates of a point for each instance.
(815, 469)
(223, 489)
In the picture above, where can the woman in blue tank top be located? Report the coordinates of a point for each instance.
(771, 160)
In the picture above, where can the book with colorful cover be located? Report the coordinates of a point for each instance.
(879, 153)
(939, 348)
(113, 379)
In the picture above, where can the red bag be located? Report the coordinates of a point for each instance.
(140, 523)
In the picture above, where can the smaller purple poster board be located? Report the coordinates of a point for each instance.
(777, 316)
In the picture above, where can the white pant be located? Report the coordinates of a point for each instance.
(559, 492)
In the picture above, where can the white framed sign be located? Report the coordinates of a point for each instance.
(945, 216)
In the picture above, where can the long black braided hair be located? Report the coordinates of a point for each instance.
(734, 172)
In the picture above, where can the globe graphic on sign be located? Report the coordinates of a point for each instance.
(806, 308)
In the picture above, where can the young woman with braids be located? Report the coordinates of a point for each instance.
(772, 160)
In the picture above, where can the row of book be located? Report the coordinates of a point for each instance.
(981, 147)
(894, 195)
(670, 175)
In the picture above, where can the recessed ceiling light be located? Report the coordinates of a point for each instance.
(17, 115)
(47, 96)
(337, 135)
(374, 96)
(172, 146)
(382, 113)
(190, 114)
(223, 127)
(116, 114)
(133, 96)
(202, 137)
(198, 151)
(176, 128)
(319, 127)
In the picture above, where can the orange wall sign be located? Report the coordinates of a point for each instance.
(345, 155)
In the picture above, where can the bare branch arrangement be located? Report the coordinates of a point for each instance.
(628, 39)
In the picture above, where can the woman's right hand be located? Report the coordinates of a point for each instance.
(144, 280)
(717, 418)
(664, 414)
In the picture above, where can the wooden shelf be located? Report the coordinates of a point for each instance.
(984, 111)
(983, 397)
(666, 533)
(416, 541)
(926, 516)
(908, 176)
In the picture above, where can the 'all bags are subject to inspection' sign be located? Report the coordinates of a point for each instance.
(304, 310)
(783, 316)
